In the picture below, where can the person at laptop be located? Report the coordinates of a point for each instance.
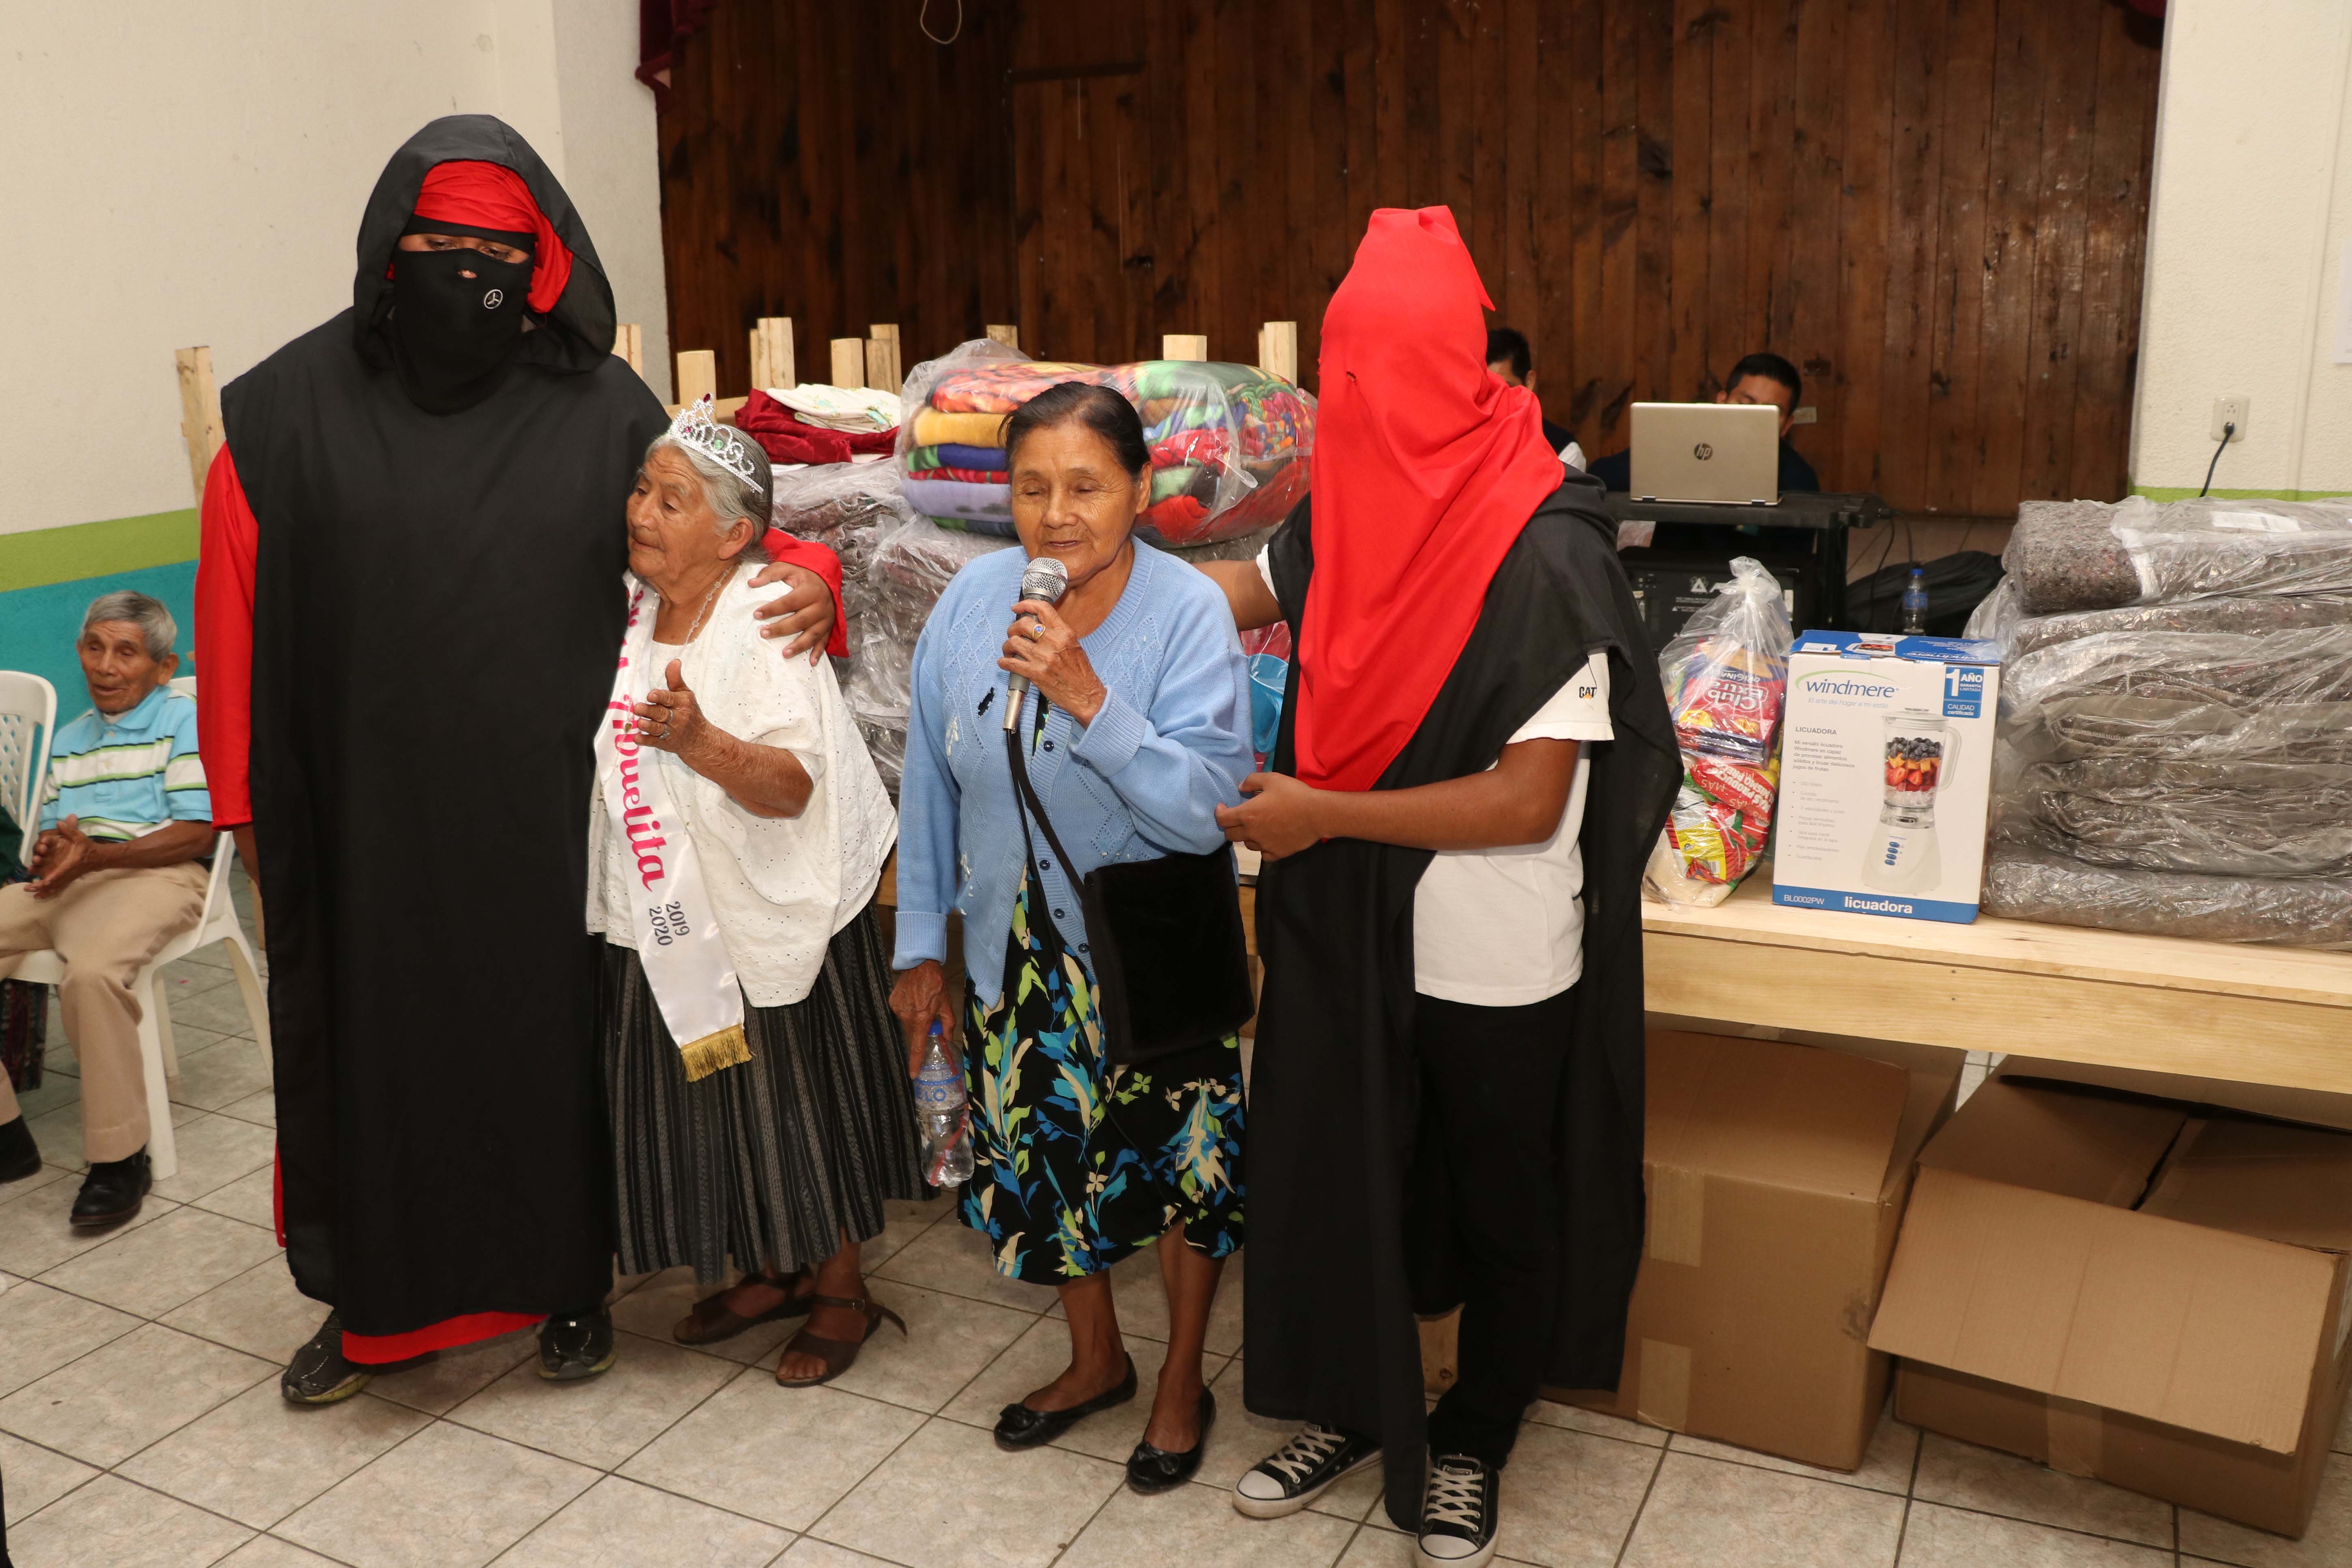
(1508, 356)
(1761, 378)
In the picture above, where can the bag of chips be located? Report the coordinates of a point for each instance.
(1727, 678)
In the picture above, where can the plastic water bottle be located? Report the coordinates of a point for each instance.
(942, 1116)
(1915, 601)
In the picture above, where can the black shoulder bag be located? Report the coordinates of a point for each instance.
(1171, 966)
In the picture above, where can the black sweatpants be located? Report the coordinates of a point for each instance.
(1490, 1088)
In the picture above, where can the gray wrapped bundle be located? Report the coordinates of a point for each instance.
(2235, 818)
(2247, 613)
(2090, 555)
(2022, 884)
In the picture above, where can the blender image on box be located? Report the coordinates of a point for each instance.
(1902, 855)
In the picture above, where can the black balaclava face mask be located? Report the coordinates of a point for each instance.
(454, 337)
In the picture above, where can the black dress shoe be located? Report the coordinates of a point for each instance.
(317, 1373)
(1018, 1427)
(19, 1155)
(1151, 1469)
(575, 1345)
(112, 1192)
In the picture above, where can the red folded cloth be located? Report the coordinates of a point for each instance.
(786, 439)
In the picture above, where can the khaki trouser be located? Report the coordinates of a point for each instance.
(106, 926)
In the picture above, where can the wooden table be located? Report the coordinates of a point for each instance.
(2253, 1014)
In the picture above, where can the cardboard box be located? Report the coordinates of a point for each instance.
(2117, 1287)
(1776, 1175)
(1886, 774)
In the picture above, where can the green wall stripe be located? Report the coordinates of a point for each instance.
(46, 555)
(2186, 492)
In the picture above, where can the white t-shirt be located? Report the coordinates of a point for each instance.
(1573, 456)
(1503, 928)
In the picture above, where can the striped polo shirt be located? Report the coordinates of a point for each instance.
(126, 775)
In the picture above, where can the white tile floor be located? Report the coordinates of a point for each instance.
(140, 1428)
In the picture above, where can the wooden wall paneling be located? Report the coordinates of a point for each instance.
(1914, 214)
(1863, 258)
(1199, 168)
(2013, 151)
(1392, 49)
(1618, 216)
(1729, 324)
(1586, 222)
(1821, 87)
(1521, 146)
(1653, 158)
(1694, 22)
(1301, 97)
(1565, 386)
(2115, 241)
(1771, 180)
(2070, 79)
(1342, 98)
(1955, 327)
(1250, 179)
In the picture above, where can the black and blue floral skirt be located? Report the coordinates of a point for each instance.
(1077, 1162)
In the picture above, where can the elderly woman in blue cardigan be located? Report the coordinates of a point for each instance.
(1135, 731)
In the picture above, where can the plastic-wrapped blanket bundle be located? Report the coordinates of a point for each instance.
(2298, 911)
(1229, 443)
(906, 571)
(2096, 555)
(849, 508)
(1726, 678)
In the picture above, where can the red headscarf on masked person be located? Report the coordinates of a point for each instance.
(491, 196)
(1426, 470)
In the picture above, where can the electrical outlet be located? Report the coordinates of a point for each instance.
(2231, 410)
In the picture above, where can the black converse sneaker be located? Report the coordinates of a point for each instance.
(1300, 1470)
(1457, 1513)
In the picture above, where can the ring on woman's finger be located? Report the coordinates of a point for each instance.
(1036, 630)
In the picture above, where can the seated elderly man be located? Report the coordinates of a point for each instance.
(118, 871)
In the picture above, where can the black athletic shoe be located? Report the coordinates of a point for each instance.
(1301, 1471)
(575, 1345)
(19, 1155)
(1457, 1513)
(318, 1374)
(112, 1192)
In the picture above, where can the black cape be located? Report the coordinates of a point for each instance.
(436, 613)
(1345, 1246)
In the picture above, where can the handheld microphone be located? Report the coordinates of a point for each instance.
(1044, 580)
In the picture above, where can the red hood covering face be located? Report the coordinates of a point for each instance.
(491, 196)
(1426, 469)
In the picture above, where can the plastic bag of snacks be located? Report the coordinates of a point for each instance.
(1229, 443)
(1726, 676)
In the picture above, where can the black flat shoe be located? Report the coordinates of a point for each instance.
(1018, 1427)
(317, 1373)
(112, 1192)
(1151, 1469)
(19, 1155)
(573, 1346)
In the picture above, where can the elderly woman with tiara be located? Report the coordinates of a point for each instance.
(761, 1110)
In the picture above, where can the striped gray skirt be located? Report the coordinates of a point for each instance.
(769, 1163)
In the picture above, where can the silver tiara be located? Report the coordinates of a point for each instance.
(721, 444)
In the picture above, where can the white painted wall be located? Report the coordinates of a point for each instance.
(183, 174)
(2249, 221)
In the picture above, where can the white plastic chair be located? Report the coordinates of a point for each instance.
(28, 718)
(217, 923)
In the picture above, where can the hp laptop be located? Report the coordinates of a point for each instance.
(1706, 452)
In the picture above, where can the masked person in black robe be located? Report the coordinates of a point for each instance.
(1475, 756)
(409, 603)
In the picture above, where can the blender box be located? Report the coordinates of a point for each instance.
(1886, 774)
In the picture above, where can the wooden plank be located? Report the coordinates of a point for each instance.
(1824, 81)
(885, 369)
(1391, 184)
(1772, 179)
(200, 412)
(2123, 137)
(1521, 156)
(1695, 22)
(772, 353)
(629, 342)
(2005, 282)
(1956, 317)
(1653, 300)
(1915, 209)
(698, 376)
(1184, 346)
(1863, 205)
(1277, 352)
(1010, 336)
(2069, 86)
(1558, 128)
(1730, 52)
(849, 361)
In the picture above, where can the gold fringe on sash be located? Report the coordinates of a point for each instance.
(706, 1056)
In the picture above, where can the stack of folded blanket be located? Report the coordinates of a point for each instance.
(1229, 443)
(2176, 735)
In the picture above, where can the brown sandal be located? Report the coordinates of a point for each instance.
(711, 1320)
(838, 1355)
